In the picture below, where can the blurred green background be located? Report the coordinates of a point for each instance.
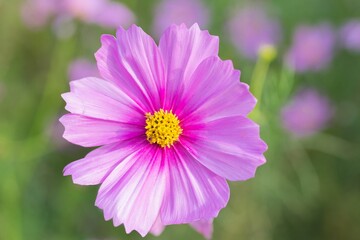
(308, 189)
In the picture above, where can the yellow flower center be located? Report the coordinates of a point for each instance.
(163, 128)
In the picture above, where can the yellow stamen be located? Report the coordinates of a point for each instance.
(163, 128)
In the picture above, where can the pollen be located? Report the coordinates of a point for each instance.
(163, 128)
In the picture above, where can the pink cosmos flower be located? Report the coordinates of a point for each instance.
(81, 68)
(171, 120)
(179, 11)
(350, 35)
(312, 48)
(250, 28)
(307, 113)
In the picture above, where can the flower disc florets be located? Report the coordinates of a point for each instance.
(162, 127)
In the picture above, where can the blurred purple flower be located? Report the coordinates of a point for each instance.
(312, 48)
(250, 28)
(307, 113)
(36, 13)
(100, 12)
(81, 68)
(204, 227)
(180, 11)
(350, 35)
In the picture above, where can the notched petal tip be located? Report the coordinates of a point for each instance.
(106, 37)
(133, 28)
(195, 25)
(63, 120)
(106, 40)
(66, 170)
(70, 171)
(174, 26)
(68, 134)
(142, 232)
(64, 96)
(261, 161)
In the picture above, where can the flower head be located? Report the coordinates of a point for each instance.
(350, 35)
(312, 48)
(179, 11)
(307, 113)
(172, 124)
(251, 28)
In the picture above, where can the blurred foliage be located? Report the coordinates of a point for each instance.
(308, 189)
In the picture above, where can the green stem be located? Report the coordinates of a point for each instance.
(267, 54)
(258, 78)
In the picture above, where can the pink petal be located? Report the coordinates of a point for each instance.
(230, 147)
(108, 62)
(133, 62)
(91, 132)
(99, 163)
(157, 227)
(214, 91)
(111, 69)
(132, 194)
(193, 192)
(204, 227)
(183, 50)
(96, 98)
